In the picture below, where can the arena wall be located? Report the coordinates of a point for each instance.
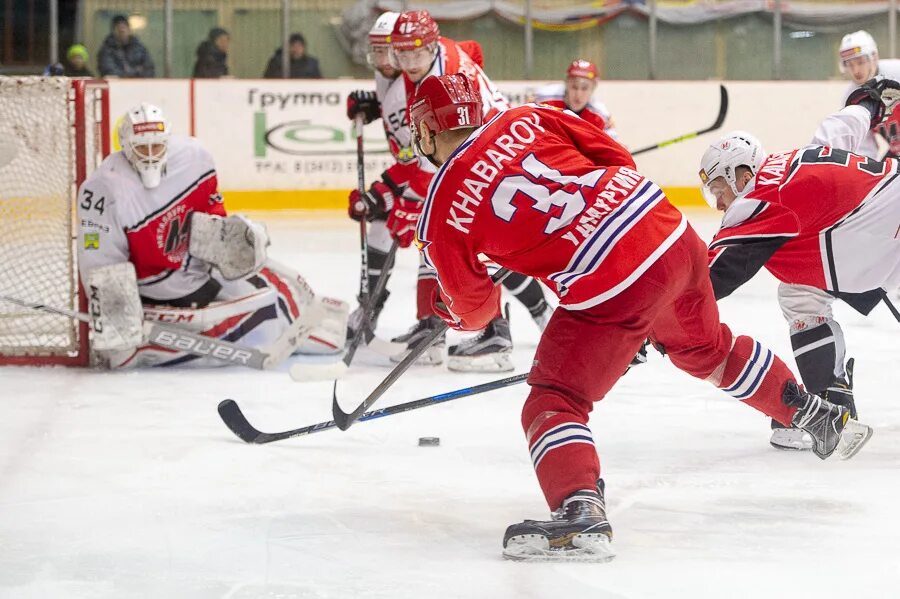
(288, 144)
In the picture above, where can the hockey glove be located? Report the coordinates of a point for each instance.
(403, 220)
(869, 96)
(439, 307)
(365, 102)
(374, 204)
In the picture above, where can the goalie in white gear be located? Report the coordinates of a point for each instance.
(156, 205)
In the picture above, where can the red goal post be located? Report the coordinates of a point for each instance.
(54, 132)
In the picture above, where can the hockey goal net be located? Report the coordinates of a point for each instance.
(53, 132)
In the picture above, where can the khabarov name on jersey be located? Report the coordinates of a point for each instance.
(507, 149)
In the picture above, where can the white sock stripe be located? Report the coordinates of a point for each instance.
(521, 287)
(757, 375)
(745, 371)
(814, 345)
(568, 441)
(558, 432)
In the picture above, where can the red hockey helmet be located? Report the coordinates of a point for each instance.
(414, 29)
(889, 129)
(582, 68)
(444, 103)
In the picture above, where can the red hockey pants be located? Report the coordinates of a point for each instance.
(582, 354)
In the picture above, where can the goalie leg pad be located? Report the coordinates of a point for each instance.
(115, 308)
(235, 245)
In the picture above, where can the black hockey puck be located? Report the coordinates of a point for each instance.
(429, 441)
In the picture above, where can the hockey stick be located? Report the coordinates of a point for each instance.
(308, 372)
(178, 339)
(237, 423)
(723, 110)
(343, 420)
(890, 305)
(362, 208)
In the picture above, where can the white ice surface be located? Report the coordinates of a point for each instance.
(128, 485)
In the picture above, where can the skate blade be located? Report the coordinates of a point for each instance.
(536, 548)
(853, 437)
(790, 439)
(433, 356)
(499, 362)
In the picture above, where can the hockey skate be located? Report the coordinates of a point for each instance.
(830, 426)
(578, 532)
(488, 351)
(839, 393)
(434, 355)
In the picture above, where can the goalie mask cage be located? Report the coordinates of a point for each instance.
(53, 132)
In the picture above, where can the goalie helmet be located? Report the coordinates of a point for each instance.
(144, 137)
(856, 44)
(582, 68)
(722, 159)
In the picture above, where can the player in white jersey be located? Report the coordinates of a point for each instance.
(859, 61)
(576, 93)
(418, 49)
(816, 337)
(156, 205)
(404, 181)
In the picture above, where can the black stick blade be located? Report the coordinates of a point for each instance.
(342, 419)
(237, 423)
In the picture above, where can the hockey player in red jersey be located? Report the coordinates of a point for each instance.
(405, 181)
(576, 94)
(542, 192)
(804, 215)
(153, 210)
(419, 51)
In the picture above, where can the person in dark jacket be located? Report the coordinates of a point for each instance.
(303, 66)
(76, 62)
(122, 54)
(212, 54)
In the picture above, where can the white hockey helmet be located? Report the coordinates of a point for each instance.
(722, 158)
(380, 40)
(144, 137)
(856, 44)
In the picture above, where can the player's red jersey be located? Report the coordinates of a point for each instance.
(815, 216)
(546, 194)
(586, 113)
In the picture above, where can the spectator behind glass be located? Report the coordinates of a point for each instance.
(122, 54)
(212, 54)
(303, 66)
(76, 62)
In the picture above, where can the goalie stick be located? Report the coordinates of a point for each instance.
(344, 420)
(178, 339)
(234, 418)
(309, 372)
(723, 110)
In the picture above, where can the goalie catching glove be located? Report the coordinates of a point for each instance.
(403, 220)
(235, 245)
